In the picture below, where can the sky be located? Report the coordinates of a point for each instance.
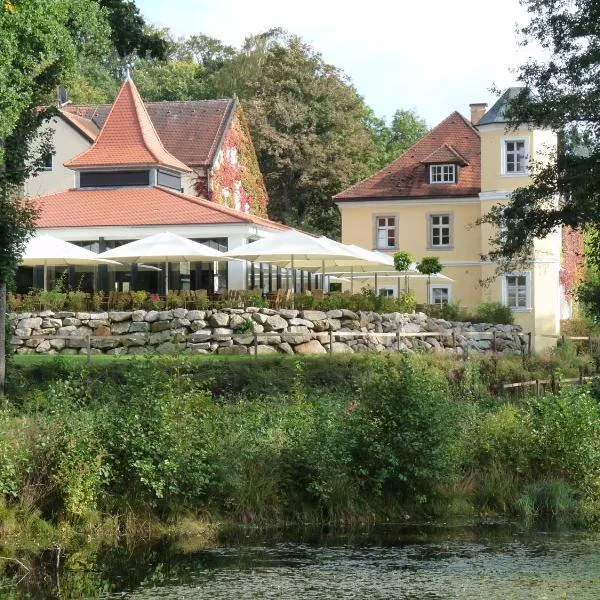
(433, 56)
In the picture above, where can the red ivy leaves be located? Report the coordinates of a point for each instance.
(572, 259)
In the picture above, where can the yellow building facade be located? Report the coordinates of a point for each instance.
(428, 201)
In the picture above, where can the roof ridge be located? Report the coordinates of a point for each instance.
(220, 129)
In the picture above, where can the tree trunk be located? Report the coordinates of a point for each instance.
(2, 337)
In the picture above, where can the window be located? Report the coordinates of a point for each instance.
(442, 174)
(517, 291)
(385, 231)
(439, 295)
(515, 157)
(48, 159)
(440, 231)
(385, 292)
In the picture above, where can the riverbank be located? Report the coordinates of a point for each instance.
(141, 448)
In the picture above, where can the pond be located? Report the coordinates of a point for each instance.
(443, 562)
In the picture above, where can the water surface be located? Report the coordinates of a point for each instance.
(475, 563)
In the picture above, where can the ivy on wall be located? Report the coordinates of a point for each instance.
(572, 263)
(236, 179)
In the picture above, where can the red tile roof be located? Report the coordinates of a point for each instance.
(127, 137)
(190, 130)
(406, 177)
(445, 154)
(85, 126)
(136, 206)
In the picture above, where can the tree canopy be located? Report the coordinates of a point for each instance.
(561, 92)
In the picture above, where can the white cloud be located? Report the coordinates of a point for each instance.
(432, 55)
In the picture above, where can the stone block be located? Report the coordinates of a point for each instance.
(16, 341)
(260, 318)
(82, 316)
(179, 335)
(95, 323)
(103, 330)
(51, 323)
(322, 325)
(77, 342)
(103, 316)
(243, 338)
(288, 313)
(135, 339)
(43, 346)
(202, 346)
(180, 313)
(195, 315)
(138, 350)
(46, 313)
(236, 321)
(220, 334)
(165, 315)
(269, 340)
(120, 327)
(313, 315)
(198, 324)
(104, 343)
(340, 348)
(335, 314)
(137, 326)
(58, 344)
(219, 319)
(64, 314)
(71, 321)
(257, 328)
(263, 349)
(275, 323)
(31, 323)
(203, 335)
(119, 316)
(178, 322)
(233, 350)
(22, 332)
(151, 316)
(298, 329)
(160, 326)
(138, 315)
(312, 347)
(295, 338)
(168, 348)
(160, 337)
(286, 348)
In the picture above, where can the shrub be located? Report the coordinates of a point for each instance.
(245, 327)
(76, 300)
(405, 430)
(493, 312)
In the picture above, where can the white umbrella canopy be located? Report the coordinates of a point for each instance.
(164, 247)
(48, 251)
(295, 249)
(53, 252)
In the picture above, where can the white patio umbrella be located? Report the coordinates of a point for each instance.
(48, 251)
(295, 249)
(164, 248)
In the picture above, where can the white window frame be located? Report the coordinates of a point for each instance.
(504, 154)
(439, 287)
(527, 275)
(446, 174)
(430, 226)
(387, 227)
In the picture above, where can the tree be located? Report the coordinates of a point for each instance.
(129, 32)
(209, 52)
(405, 129)
(179, 80)
(402, 262)
(429, 265)
(39, 44)
(561, 92)
(307, 123)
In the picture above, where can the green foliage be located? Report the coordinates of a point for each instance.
(493, 312)
(551, 500)
(430, 265)
(402, 260)
(405, 431)
(180, 80)
(245, 327)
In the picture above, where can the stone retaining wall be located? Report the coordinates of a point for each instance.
(232, 331)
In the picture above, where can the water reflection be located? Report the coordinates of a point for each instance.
(486, 562)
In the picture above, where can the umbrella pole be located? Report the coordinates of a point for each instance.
(166, 279)
(375, 283)
(323, 275)
(352, 279)
(45, 278)
(293, 283)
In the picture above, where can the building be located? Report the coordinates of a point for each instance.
(130, 170)
(428, 200)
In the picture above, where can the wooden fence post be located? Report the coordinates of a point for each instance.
(580, 375)
(454, 340)
(88, 348)
(330, 342)
(494, 341)
(255, 344)
(529, 344)
(590, 344)
(398, 339)
(537, 387)
(553, 382)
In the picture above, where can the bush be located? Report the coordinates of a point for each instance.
(493, 312)
(405, 430)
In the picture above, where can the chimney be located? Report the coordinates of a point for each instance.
(478, 109)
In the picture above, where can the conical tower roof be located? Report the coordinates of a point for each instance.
(128, 138)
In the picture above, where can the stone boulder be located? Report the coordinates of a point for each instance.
(312, 347)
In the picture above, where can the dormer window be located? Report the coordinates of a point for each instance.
(442, 173)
